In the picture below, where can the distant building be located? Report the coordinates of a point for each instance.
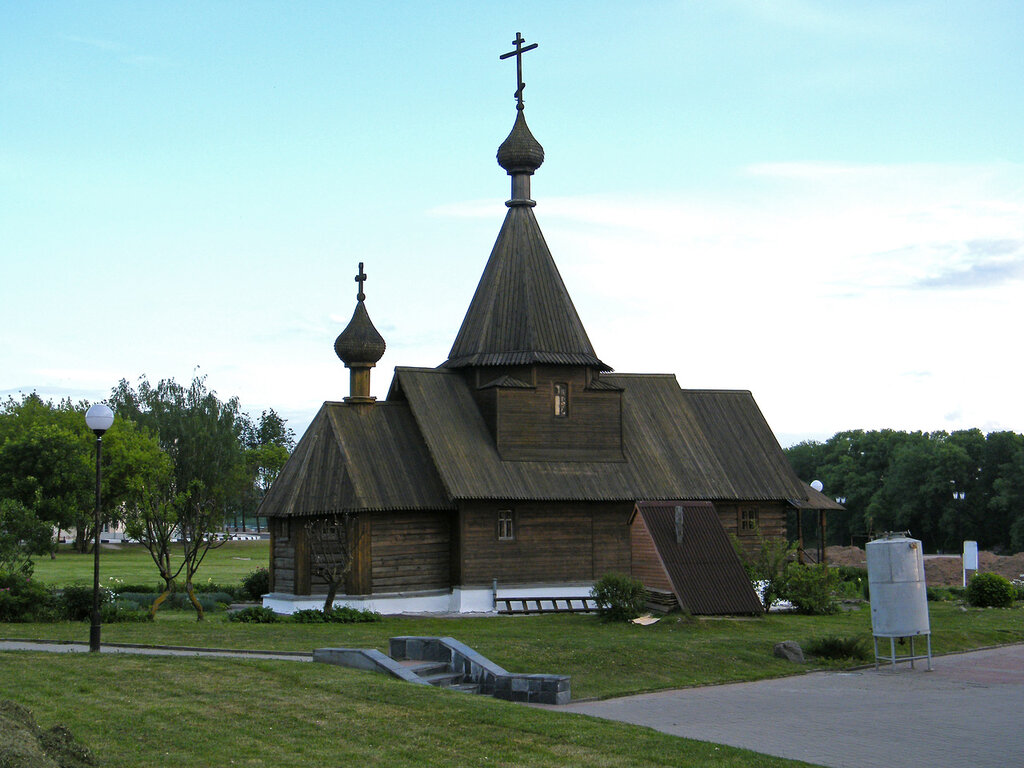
(520, 460)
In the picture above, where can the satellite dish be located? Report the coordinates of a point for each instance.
(817, 485)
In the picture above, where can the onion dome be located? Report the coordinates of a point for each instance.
(360, 343)
(520, 152)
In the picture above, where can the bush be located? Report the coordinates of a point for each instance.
(940, 594)
(22, 599)
(766, 567)
(309, 616)
(211, 601)
(256, 584)
(811, 588)
(219, 589)
(618, 597)
(341, 615)
(853, 582)
(121, 589)
(75, 601)
(1018, 587)
(123, 611)
(833, 647)
(990, 590)
(255, 614)
(346, 615)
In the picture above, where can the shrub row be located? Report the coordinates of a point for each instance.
(22, 599)
(341, 615)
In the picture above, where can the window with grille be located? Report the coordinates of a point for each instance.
(748, 519)
(506, 528)
(561, 400)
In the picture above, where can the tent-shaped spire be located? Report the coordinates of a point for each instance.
(521, 312)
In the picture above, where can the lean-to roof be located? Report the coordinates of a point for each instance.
(701, 564)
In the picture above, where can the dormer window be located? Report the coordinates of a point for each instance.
(561, 400)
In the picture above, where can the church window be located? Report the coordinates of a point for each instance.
(748, 519)
(561, 399)
(506, 530)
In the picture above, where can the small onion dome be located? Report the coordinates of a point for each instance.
(360, 342)
(520, 152)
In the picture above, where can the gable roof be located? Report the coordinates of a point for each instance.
(669, 448)
(521, 312)
(702, 566)
(357, 458)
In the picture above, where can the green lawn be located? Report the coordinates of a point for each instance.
(131, 564)
(140, 711)
(158, 711)
(603, 659)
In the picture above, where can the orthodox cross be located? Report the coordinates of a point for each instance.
(361, 278)
(518, 53)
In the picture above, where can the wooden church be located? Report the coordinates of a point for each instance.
(519, 465)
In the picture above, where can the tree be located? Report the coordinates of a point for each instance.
(269, 445)
(203, 437)
(904, 481)
(153, 521)
(45, 463)
(333, 540)
(22, 535)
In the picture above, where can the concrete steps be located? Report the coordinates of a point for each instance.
(444, 662)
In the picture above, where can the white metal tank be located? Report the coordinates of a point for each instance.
(899, 596)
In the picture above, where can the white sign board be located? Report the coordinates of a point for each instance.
(970, 555)
(970, 558)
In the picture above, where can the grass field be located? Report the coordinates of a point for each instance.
(139, 711)
(196, 713)
(603, 659)
(131, 564)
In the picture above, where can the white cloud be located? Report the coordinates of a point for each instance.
(825, 289)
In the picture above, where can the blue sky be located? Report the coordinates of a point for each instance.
(822, 202)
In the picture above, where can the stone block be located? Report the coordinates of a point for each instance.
(790, 651)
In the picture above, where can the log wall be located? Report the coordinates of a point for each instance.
(771, 521)
(523, 423)
(410, 551)
(554, 542)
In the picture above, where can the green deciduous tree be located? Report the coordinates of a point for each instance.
(905, 481)
(210, 478)
(45, 462)
(22, 535)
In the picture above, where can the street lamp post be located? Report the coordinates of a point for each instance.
(98, 418)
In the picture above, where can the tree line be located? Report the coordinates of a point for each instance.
(944, 488)
(175, 452)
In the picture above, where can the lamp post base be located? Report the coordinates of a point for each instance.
(94, 634)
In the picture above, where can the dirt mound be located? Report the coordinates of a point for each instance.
(939, 570)
(23, 744)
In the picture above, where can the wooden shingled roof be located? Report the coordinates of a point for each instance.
(701, 564)
(521, 312)
(671, 446)
(357, 458)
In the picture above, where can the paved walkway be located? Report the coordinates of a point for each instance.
(966, 712)
(151, 650)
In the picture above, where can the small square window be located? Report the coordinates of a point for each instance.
(748, 519)
(561, 399)
(506, 529)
